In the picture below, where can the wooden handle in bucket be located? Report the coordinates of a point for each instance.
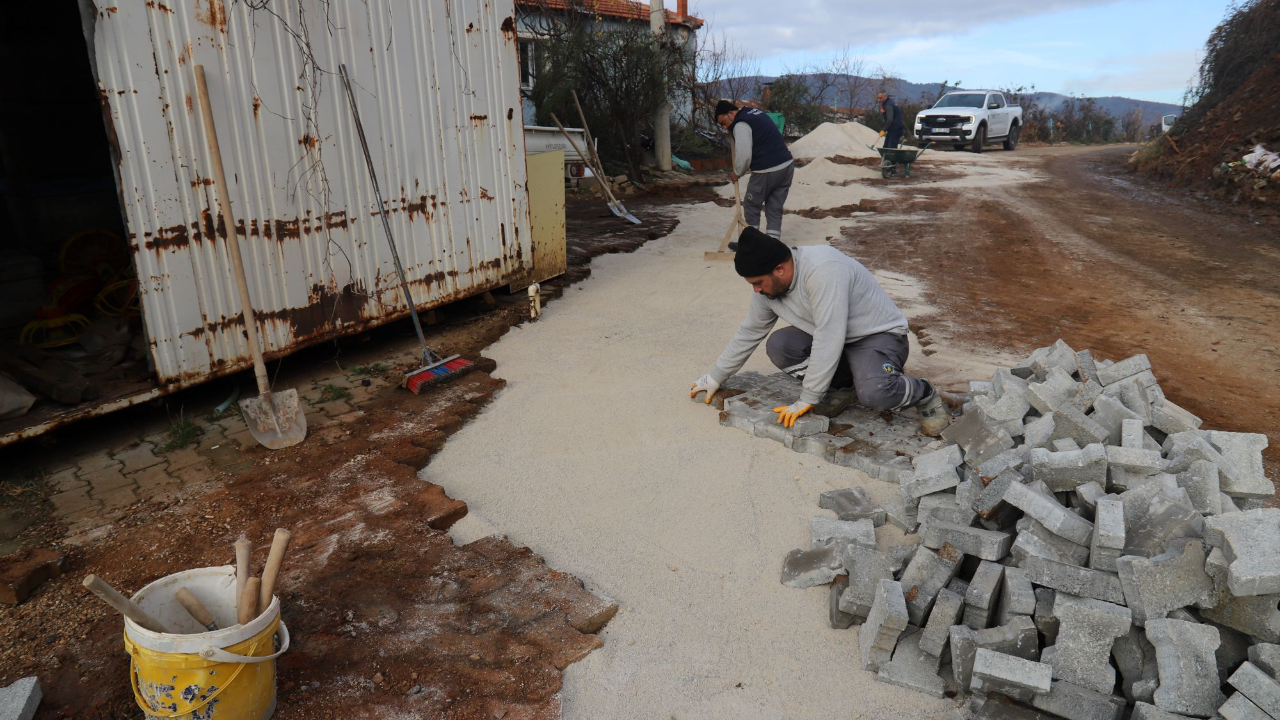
(124, 605)
(196, 608)
(271, 571)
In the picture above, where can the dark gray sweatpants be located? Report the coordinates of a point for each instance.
(872, 366)
(768, 190)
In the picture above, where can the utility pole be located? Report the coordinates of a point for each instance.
(662, 116)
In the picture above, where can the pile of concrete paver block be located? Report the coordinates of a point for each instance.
(1086, 551)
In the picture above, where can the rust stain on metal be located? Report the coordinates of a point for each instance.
(201, 181)
(190, 104)
(112, 10)
(478, 119)
(287, 229)
(337, 219)
(159, 6)
(257, 103)
(511, 113)
(309, 141)
(509, 27)
(170, 238)
(215, 16)
(484, 195)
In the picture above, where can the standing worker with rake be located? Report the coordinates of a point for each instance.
(758, 148)
(893, 125)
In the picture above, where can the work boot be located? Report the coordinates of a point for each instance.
(834, 402)
(933, 412)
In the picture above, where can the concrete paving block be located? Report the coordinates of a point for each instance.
(19, 700)
(1086, 395)
(978, 437)
(852, 504)
(994, 706)
(1255, 615)
(984, 544)
(1135, 658)
(990, 501)
(1087, 630)
(810, 568)
(1046, 510)
(1228, 504)
(1250, 542)
(837, 618)
(926, 574)
(1071, 422)
(1074, 580)
(1176, 579)
(1136, 393)
(1064, 445)
(1134, 461)
(1059, 355)
(1108, 525)
(1260, 688)
(743, 418)
(1086, 367)
(1034, 540)
(138, 458)
(825, 529)
(1037, 432)
(1202, 486)
(1169, 418)
(948, 607)
(1007, 460)
(1018, 638)
(821, 445)
(1238, 707)
(878, 636)
(980, 387)
(1110, 414)
(912, 668)
(1073, 702)
(1045, 621)
(1267, 657)
(1056, 390)
(866, 567)
(1132, 434)
(1004, 381)
(1011, 676)
(1070, 469)
(1017, 596)
(902, 514)
(944, 507)
(1187, 665)
(1089, 494)
(935, 471)
(1241, 465)
(1166, 516)
(983, 595)
(1010, 408)
(1146, 711)
(1124, 369)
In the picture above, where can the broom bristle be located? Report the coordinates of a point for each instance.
(419, 379)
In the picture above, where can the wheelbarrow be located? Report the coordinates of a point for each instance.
(891, 158)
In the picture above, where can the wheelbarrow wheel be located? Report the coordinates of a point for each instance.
(887, 172)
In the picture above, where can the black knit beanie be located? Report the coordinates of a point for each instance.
(725, 107)
(758, 254)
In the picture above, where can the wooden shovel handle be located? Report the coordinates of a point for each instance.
(271, 571)
(247, 608)
(124, 605)
(197, 609)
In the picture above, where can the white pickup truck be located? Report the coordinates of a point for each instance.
(970, 118)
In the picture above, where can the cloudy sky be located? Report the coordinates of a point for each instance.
(1146, 49)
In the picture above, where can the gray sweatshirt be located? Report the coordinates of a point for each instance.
(833, 298)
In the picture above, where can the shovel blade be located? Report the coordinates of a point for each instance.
(275, 420)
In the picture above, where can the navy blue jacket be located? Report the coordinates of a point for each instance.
(892, 114)
(767, 146)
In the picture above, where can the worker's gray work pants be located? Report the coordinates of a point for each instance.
(768, 190)
(872, 366)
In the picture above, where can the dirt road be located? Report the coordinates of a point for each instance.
(1067, 245)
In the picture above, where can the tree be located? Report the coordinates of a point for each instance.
(792, 96)
(1131, 126)
(722, 71)
(621, 72)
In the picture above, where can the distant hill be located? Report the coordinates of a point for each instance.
(914, 92)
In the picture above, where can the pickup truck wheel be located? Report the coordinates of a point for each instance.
(979, 139)
(958, 146)
(1011, 141)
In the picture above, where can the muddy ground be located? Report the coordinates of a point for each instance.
(1104, 260)
(387, 616)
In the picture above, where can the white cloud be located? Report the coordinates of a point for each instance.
(770, 28)
(1154, 72)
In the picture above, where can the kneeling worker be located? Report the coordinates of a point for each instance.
(846, 337)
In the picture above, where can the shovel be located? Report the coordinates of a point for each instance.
(275, 420)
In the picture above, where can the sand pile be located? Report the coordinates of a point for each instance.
(848, 139)
(823, 185)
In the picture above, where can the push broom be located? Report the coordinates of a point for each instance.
(435, 368)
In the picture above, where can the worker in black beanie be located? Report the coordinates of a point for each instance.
(846, 337)
(758, 149)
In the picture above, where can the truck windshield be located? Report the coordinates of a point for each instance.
(965, 100)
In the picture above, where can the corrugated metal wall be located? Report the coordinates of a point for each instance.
(438, 88)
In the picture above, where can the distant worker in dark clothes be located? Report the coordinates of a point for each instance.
(893, 126)
(758, 148)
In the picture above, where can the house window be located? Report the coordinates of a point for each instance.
(528, 60)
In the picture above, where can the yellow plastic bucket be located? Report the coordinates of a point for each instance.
(226, 674)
